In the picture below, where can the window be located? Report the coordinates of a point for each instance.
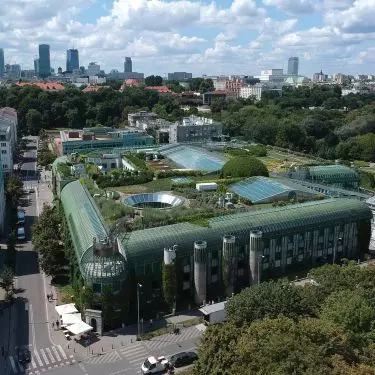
(3, 151)
(3, 144)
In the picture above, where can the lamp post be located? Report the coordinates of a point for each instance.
(138, 287)
(260, 259)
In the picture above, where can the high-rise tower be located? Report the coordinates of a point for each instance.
(128, 65)
(72, 60)
(293, 66)
(2, 68)
(44, 61)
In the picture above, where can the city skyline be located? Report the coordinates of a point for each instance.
(222, 37)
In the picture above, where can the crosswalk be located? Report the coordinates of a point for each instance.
(41, 361)
(135, 354)
(165, 340)
(109, 357)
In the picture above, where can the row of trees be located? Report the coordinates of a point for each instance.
(326, 327)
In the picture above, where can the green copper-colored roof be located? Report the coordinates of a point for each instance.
(148, 243)
(333, 173)
(86, 223)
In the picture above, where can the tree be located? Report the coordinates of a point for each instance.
(33, 121)
(13, 189)
(153, 81)
(7, 282)
(268, 299)
(244, 166)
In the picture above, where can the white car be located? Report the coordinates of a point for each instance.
(154, 365)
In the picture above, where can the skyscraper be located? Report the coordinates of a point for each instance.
(72, 60)
(44, 61)
(293, 66)
(2, 69)
(36, 67)
(128, 68)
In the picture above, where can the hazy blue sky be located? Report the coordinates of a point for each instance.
(202, 37)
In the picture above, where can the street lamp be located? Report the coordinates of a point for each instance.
(260, 259)
(138, 287)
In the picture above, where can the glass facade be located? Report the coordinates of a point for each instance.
(72, 60)
(44, 61)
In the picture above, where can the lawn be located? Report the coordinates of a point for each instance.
(149, 187)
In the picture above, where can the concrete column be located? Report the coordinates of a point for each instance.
(229, 263)
(255, 260)
(200, 271)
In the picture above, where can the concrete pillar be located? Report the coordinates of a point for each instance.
(229, 264)
(200, 271)
(255, 256)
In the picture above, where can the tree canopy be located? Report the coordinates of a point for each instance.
(244, 166)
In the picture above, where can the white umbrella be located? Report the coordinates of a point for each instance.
(66, 309)
(79, 328)
(68, 319)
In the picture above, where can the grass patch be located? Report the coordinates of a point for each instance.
(66, 293)
(163, 184)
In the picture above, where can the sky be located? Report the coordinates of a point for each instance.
(202, 37)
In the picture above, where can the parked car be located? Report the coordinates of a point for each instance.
(183, 359)
(23, 354)
(21, 233)
(20, 216)
(154, 365)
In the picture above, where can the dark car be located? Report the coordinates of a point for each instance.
(24, 355)
(183, 359)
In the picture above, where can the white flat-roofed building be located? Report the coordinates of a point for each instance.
(254, 91)
(8, 137)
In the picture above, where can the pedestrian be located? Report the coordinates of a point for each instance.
(57, 323)
(150, 324)
(53, 325)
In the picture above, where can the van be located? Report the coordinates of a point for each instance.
(20, 216)
(21, 233)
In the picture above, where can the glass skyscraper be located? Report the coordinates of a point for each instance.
(2, 69)
(44, 61)
(72, 60)
(293, 66)
(128, 68)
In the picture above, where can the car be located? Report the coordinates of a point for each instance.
(20, 216)
(23, 354)
(154, 365)
(183, 359)
(21, 233)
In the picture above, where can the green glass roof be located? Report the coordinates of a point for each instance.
(86, 223)
(333, 173)
(145, 243)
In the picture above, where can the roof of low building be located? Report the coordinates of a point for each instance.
(53, 86)
(333, 172)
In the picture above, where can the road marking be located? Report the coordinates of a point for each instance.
(56, 353)
(62, 352)
(38, 358)
(50, 355)
(33, 363)
(32, 324)
(44, 356)
(12, 362)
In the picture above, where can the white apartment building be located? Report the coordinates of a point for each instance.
(253, 91)
(93, 69)
(8, 137)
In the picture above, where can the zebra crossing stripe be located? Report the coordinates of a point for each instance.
(133, 350)
(44, 356)
(33, 364)
(38, 358)
(50, 355)
(62, 351)
(141, 358)
(56, 353)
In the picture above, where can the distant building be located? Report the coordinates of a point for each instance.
(8, 137)
(129, 83)
(194, 129)
(13, 71)
(274, 77)
(36, 67)
(253, 91)
(293, 66)
(179, 76)
(28, 73)
(94, 88)
(128, 65)
(44, 61)
(135, 119)
(102, 139)
(159, 89)
(320, 77)
(72, 60)
(93, 69)
(47, 86)
(115, 75)
(2, 67)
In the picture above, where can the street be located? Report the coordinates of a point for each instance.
(29, 320)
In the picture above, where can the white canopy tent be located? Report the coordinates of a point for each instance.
(79, 328)
(68, 319)
(66, 309)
